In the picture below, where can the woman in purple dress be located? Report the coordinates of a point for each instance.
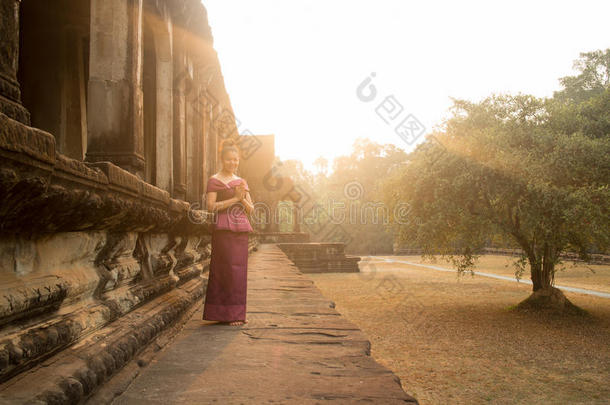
(229, 198)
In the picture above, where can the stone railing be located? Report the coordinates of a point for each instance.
(283, 237)
(88, 252)
(320, 257)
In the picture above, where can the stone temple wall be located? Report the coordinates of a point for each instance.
(110, 116)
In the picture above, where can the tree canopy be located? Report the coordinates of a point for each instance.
(593, 80)
(534, 170)
(351, 197)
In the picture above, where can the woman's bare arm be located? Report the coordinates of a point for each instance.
(248, 204)
(211, 200)
(213, 205)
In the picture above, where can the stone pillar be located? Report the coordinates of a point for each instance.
(115, 91)
(214, 153)
(190, 161)
(164, 121)
(195, 146)
(296, 216)
(182, 78)
(275, 218)
(179, 143)
(10, 94)
(205, 144)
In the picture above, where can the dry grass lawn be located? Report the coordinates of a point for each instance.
(457, 341)
(593, 277)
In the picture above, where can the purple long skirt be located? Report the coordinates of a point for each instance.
(225, 297)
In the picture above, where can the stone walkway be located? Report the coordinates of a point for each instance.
(295, 349)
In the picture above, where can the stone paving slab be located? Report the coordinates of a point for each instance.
(296, 348)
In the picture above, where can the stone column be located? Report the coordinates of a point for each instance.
(115, 91)
(296, 215)
(190, 161)
(164, 121)
(205, 135)
(275, 218)
(214, 141)
(182, 78)
(10, 94)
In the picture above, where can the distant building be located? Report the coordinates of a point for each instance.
(270, 186)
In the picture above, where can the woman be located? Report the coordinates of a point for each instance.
(228, 196)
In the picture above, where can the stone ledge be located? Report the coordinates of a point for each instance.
(19, 138)
(13, 110)
(76, 171)
(42, 191)
(27, 346)
(118, 178)
(48, 292)
(78, 371)
(27, 343)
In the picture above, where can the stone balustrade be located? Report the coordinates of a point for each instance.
(283, 237)
(320, 257)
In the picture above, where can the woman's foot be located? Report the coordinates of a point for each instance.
(237, 323)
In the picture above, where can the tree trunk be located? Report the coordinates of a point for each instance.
(545, 296)
(543, 268)
(536, 272)
(548, 266)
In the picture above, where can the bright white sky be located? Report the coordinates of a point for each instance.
(292, 67)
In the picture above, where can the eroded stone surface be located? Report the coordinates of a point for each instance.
(78, 371)
(295, 349)
(320, 257)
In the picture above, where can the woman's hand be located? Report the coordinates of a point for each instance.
(240, 192)
(212, 205)
(245, 199)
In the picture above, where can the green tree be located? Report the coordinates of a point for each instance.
(506, 166)
(352, 189)
(594, 77)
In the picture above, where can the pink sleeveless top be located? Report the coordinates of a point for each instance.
(233, 218)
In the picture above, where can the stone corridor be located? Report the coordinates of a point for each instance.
(296, 348)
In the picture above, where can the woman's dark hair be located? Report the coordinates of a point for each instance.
(228, 145)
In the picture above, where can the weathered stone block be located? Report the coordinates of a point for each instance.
(18, 138)
(320, 257)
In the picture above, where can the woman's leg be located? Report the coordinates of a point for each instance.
(243, 246)
(227, 280)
